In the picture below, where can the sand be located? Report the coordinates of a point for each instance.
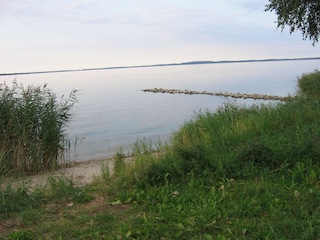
(81, 173)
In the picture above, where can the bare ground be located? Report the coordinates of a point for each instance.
(81, 173)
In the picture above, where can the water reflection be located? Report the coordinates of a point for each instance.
(113, 111)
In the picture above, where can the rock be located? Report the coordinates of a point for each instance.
(224, 94)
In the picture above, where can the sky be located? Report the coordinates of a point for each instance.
(40, 35)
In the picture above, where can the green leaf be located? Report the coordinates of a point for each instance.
(115, 203)
(207, 236)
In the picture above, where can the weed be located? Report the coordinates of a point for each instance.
(21, 235)
(105, 172)
(64, 188)
(119, 162)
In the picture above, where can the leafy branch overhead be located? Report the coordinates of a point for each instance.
(303, 15)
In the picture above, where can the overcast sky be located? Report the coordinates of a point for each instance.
(39, 35)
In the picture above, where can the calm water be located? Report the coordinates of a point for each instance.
(113, 111)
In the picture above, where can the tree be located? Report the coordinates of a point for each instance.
(303, 15)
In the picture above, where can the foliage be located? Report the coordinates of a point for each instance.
(33, 124)
(21, 235)
(298, 15)
(309, 84)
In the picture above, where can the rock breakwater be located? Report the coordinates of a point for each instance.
(222, 94)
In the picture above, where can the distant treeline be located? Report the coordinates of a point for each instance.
(162, 65)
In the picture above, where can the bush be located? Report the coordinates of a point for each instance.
(309, 84)
(33, 123)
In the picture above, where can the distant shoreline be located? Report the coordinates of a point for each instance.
(162, 65)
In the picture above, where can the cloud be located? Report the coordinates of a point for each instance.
(150, 30)
(173, 17)
(32, 11)
(252, 5)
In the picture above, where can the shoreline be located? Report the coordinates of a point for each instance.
(163, 65)
(81, 173)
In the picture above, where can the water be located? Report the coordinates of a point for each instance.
(113, 112)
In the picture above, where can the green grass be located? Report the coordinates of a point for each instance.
(236, 173)
(33, 124)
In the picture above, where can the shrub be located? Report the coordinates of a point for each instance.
(309, 84)
(33, 124)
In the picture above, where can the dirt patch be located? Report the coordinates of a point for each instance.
(81, 173)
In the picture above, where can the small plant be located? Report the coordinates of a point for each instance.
(64, 188)
(21, 235)
(4, 168)
(119, 162)
(105, 171)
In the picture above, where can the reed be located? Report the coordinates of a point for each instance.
(33, 124)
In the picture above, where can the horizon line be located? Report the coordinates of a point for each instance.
(161, 65)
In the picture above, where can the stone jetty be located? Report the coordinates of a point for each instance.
(222, 94)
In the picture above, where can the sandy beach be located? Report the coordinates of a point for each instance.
(80, 172)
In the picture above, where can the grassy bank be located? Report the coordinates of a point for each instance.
(236, 173)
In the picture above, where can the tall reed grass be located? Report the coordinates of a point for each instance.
(33, 124)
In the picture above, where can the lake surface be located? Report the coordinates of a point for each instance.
(113, 112)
